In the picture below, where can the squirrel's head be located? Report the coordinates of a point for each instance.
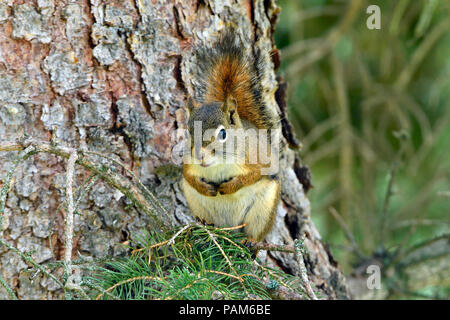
(209, 126)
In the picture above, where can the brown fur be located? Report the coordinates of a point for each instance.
(231, 194)
(228, 70)
(231, 77)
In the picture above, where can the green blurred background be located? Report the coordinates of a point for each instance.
(371, 108)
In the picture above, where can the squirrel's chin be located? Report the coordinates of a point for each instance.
(206, 165)
(209, 164)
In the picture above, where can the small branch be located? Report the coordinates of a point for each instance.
(420, 53)
(70, 207)
(230, 241)
(301, 262)
(314, 12)
(213, 238)
(30, 260)
(345, 134)
(171, 241)
(278, 289)
(11, 293)
(282, 292)
(233, 228)
(69, 216)
(347, 231)
(159, 244)
(329, 42)
(117, 181)
(273, 274)
(299, 47)
(140, 184)
(83, 191)
(100, 289)
(273, 247)
(135, 195)
(125, 282)
(189, 285)
(387, 199)
(223, 274)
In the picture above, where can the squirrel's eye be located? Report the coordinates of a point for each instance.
(221, 134)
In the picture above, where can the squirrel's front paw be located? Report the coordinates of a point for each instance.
(228, 187)
(207, 189)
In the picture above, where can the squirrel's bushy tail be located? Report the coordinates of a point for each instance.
(227, 71)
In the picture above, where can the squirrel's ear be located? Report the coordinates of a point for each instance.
(230, 105)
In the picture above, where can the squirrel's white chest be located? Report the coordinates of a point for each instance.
(233, 209)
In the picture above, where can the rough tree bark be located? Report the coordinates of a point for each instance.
(112, 77)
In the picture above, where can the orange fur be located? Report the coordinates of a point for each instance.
(232, 77)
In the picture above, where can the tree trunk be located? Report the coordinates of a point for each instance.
(112, 77)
